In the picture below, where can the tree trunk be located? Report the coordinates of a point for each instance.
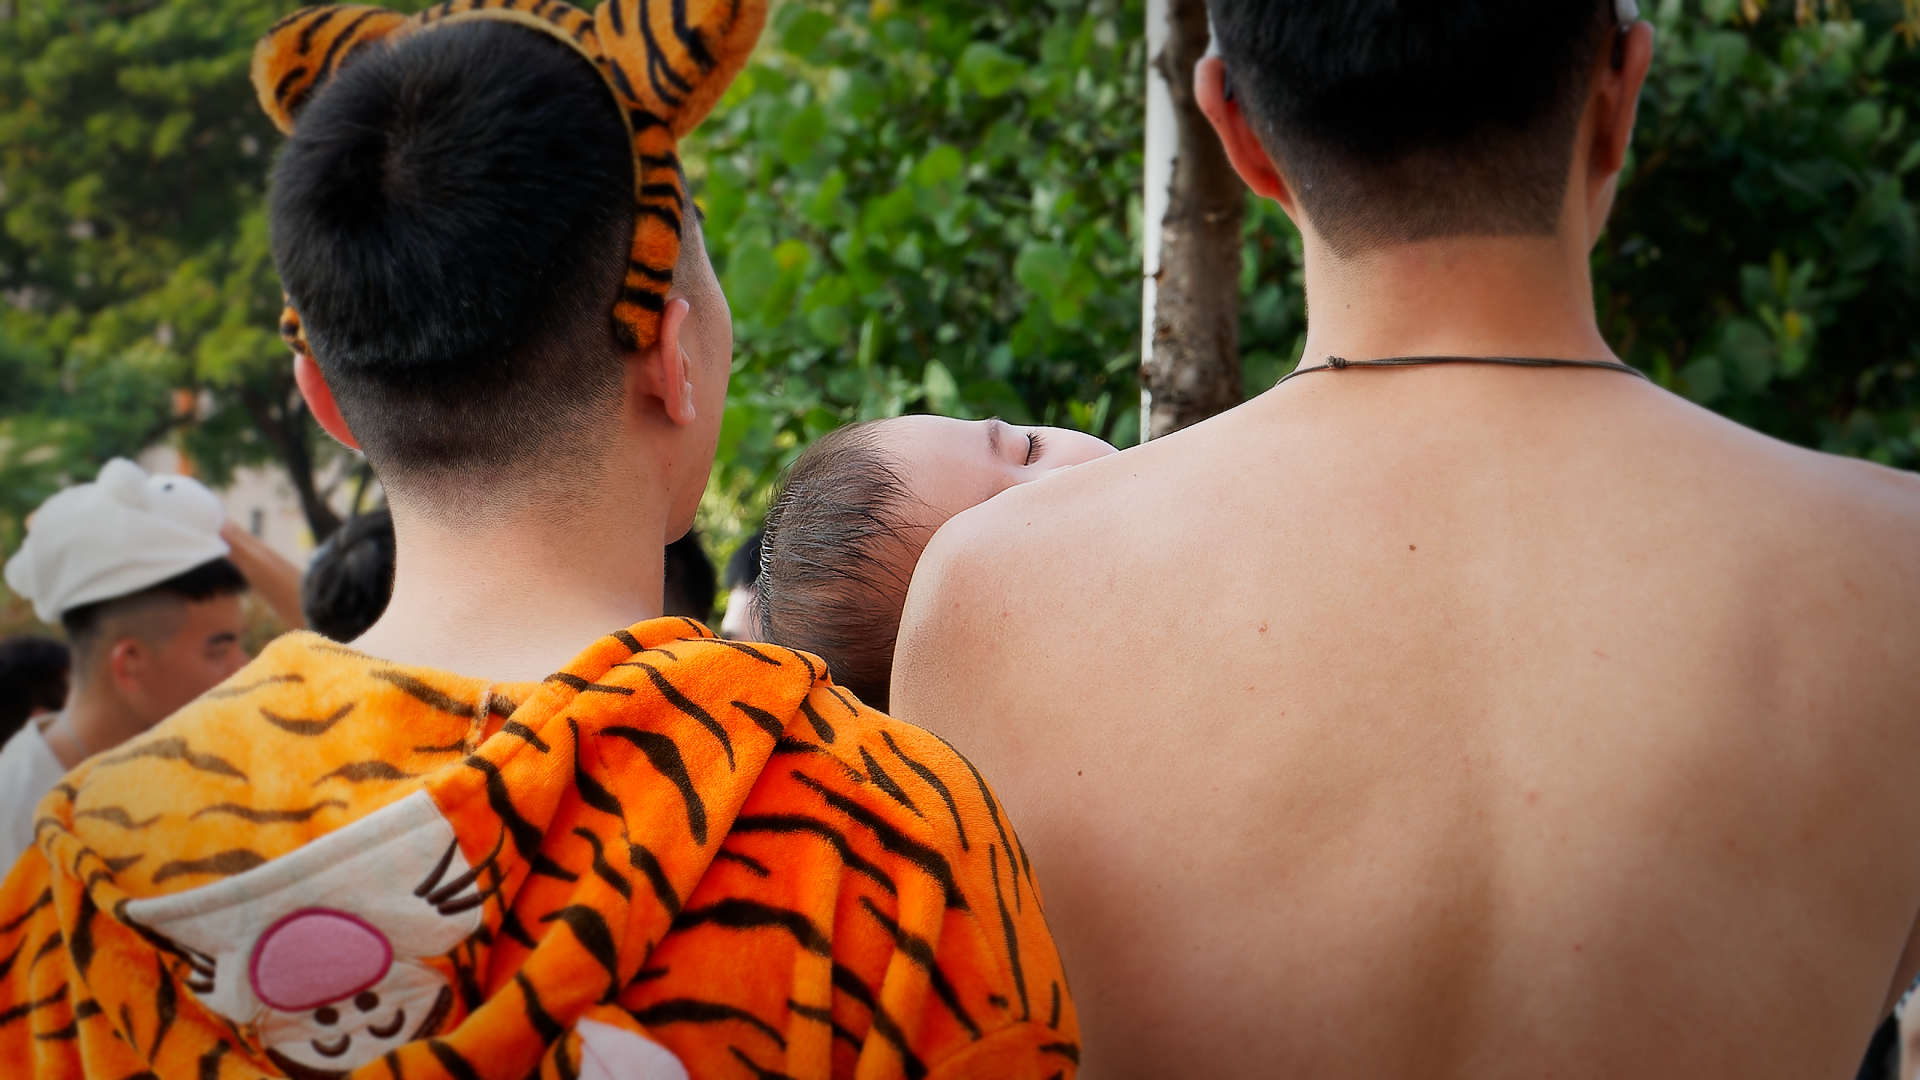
(284, 425)
(1191, 366)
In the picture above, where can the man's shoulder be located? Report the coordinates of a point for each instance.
(1036, 536)
(989, 577)
(1853, 512)
(1893, 494)
(974, 574)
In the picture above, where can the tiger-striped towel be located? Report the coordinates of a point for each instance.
(679, 856)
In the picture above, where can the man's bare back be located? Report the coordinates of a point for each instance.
(1451, 721)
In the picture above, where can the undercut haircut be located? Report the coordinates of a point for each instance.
(1402, 120)
(91, 625)
(837, 558)
(451, 218)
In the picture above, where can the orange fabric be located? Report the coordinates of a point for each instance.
(665, 63)
(702, 843)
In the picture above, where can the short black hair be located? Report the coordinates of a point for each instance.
(33, 680)
(835, 560)
(690, 588)
(350, 578)
(744, 568)
(214, 578)
(451, 218)
(1403, 120)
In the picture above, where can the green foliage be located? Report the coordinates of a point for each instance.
(133, 243)
(1768, 248)
(930, 204)
(924, 205)
(1764, 253)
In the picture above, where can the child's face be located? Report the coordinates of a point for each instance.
(952, 465)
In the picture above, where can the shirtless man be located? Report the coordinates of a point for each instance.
(1448, 720)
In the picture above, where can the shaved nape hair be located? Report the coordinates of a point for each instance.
(1394, 122)
(152, 614)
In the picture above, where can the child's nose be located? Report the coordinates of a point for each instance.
(316, 956)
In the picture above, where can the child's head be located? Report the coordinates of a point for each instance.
(858, 508)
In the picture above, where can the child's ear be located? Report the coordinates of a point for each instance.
(304, 49)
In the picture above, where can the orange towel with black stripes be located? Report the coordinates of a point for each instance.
(678, 856)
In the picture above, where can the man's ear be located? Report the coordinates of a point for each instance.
(127, 663)
(1244, 151)
(1618, 100)
(313, 387)
(663, 371)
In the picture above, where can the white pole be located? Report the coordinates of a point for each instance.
(1162, 145)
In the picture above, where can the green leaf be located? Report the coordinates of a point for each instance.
(802, 28)
(831, 325)
(1724, 51)
(943, 393)
(1861, 123)
(1908, 160)
(1748, 352)
(989, 71)
(1702, 380)
(800, 137)
(1042, 267)
(170, 133)
(938, 166)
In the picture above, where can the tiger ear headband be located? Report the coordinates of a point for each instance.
(665, 61)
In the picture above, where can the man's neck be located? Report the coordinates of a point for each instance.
(1463, 296)
(94, 721)
(517, 597)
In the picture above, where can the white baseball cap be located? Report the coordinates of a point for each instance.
(122, 533)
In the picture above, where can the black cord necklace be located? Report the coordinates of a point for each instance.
(1336, 363)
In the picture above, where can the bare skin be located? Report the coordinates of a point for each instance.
(1451, 721)
(271, 577)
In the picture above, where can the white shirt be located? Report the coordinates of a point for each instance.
(28, 770)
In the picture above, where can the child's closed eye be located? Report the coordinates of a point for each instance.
(1035, 446)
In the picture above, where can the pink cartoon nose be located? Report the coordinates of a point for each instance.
(316, 956)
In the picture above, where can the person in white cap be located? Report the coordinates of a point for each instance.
(136, 570)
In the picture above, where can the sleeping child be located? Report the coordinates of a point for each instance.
(856, 511)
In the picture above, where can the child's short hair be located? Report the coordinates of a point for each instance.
(833, 578)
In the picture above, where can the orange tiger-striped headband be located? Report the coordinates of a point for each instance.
(665, 61)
